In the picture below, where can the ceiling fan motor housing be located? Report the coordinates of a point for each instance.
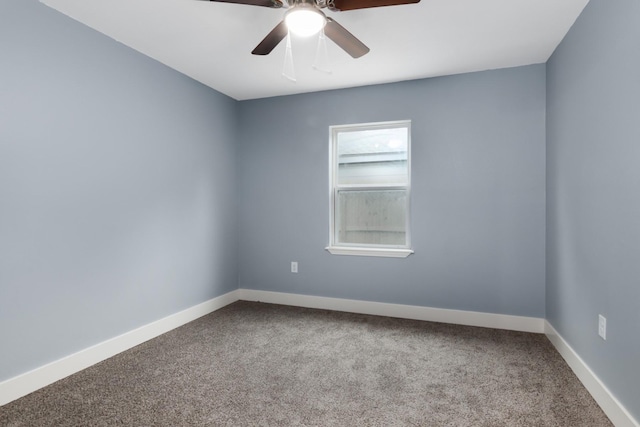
(296, 3)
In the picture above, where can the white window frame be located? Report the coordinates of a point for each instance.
(336, 248)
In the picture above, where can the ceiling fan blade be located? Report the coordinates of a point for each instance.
(342, 5)
(271, 41)
(343, 38)
(266, 3)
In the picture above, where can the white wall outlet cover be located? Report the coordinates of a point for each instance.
(602, 326)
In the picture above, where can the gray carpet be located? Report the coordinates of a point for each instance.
(253, 364)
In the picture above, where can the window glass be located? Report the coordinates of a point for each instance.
(372, 217)
(377, 156)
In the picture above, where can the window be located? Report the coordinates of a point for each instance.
(370, 186)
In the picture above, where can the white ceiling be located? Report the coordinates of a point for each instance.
(212, 42)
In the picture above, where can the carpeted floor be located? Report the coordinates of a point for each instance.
(253, 364)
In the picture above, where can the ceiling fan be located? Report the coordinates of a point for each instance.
(305, 18)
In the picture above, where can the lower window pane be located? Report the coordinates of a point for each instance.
(372, 217)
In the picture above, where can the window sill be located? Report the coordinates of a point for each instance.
(388, 253)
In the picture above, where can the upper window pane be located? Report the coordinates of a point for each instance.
(374, 156)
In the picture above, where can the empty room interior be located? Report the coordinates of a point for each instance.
(184, 225)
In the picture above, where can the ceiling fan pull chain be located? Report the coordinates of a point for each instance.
(288, 70)
(322, 62)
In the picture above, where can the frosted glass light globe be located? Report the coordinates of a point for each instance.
(305, 21)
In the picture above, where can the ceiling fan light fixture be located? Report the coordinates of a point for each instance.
(305, 21)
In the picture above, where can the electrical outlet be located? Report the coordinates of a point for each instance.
(294, 266)
(602, 326)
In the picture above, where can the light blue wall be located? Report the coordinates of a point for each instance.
(117, 188)
(593, 203)
(478, 201)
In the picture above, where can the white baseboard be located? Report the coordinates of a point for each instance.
(617, 413)
(457, 317)
(31, 381)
